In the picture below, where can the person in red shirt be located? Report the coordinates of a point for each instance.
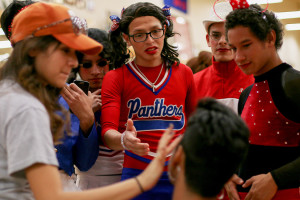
(223, 80)
(154, 90)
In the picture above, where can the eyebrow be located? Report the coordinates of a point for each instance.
(245, 41)
(153, 27)
(242, 42)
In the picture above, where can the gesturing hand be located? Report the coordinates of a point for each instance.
(131, 142)
(263, 187)
(153, 172)
(230, 187)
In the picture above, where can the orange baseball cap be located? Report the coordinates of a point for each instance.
(40, 19)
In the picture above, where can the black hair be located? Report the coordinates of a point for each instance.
(107, 53)
(169, 53)
(260, 22)
(10, 12)
(215, 143)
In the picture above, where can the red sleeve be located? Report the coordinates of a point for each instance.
(111, 100)
(190, 102)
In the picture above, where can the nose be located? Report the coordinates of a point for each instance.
(238, 57)
(223, 40)
(95, 70)
(149, 39)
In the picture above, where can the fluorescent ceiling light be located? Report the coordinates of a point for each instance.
(264, 1)
(5, 44)
(292, 27)
(1, 32)
(180, 20)
(288, 15)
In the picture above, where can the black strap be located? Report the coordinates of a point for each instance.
(243, 99)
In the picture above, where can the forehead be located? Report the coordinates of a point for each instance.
(217, 27)
(91, 57)
(144, 24)
(240, 34)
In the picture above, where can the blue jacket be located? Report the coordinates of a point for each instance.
(77, 149)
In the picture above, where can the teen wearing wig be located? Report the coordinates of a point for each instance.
(215, 136)
(92, 68)
(154, 90)
(80, 148)
(271, 108)
(45, 38)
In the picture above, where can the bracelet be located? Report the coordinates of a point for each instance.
(122, 140)
(140, 185)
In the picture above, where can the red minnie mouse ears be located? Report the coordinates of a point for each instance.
(235, 4)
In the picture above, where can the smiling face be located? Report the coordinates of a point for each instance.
(55, 64)
(95, 73)
(252, 55)
(148, 53)
(216, 40)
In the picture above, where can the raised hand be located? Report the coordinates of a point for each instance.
(153, 172)
(80, 104)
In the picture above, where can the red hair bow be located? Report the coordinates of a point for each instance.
(236, 4)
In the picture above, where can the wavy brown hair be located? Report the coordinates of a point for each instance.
(20, 67)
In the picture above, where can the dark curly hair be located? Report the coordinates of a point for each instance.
(215, 143)
(260, 23)
(169, 53)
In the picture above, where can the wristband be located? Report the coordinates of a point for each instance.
(122, 140)
(139, 184)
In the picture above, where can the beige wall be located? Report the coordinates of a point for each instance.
(198, 9)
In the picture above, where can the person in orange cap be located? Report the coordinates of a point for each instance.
(45, 39)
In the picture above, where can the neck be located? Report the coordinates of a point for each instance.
(148, 63)
(270, 64)
(181, 191)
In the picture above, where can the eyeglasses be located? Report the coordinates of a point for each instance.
(216, 36)
(79, 25)
(142, 37)
(87, 65)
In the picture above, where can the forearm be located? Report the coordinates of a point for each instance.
(86, 150)
(46, 185)
(287, 174)
(86, 124)
(112, 139)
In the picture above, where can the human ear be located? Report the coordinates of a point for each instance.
(208, 40)
(174, 167)
(271, 38)
(33, 53)
(127, 39)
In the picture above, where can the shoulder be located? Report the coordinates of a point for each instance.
(182, 67)
(291, 84)
(202, 73)
(17, 97)
(114, 75)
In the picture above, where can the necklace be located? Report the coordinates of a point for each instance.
(147, 80)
